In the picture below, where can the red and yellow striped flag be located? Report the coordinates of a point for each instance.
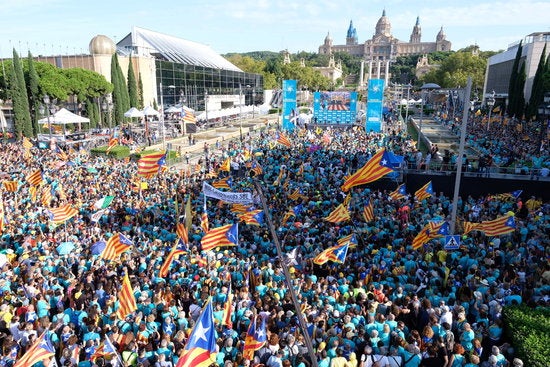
(11, 186)
(282, 139)
(222, 236)
(34, 178)
(181, 231)
(226, 165)
(340, 214)
(62, 214)
(115, 246)
(377, 167)
(227, 310)
(368, 212)
(149, 165)
(498, 226)
(126, 299)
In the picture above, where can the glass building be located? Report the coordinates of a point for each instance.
(191, 73)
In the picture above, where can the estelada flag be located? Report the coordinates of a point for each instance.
(377, 167)
(151, 164)
(340, 214)
(227, 235)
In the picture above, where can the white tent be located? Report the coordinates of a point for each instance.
(173, 109)
(150, 111)
(63, 117)
(133, 112)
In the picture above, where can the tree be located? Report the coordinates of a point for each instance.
(513, 84)
(121, 99)
(455, 70)
(537, 91)
(140, 92)
(34, 93)
(132, 85)
(20, 100)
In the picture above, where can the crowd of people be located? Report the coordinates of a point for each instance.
(385, 305)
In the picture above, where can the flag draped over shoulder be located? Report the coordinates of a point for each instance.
(377, 167)
(335, 253)
(340, 214)
(255, 338)
(126, 299)
(151, 164)
(227, 235)
(179, 248)
(399, 193)
(499, 226)
(62, 214)
(41, 350)
(424, 192)
(115, 246)
(282, 139)
(368, 212)
(200, 350)
(430, 231)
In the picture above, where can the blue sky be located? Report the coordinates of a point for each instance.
(62, 26)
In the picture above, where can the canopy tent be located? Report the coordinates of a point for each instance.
(173, 109)
(133, 112)
(233, 111)
(150, 111)
(63, 117)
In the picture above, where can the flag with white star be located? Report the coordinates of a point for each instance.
(200, 350)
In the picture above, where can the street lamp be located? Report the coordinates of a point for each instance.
(162, 116)
(408, 97)
(49, 108)
(253, 102)
(206, 104)
(426, 87)
(490, 104)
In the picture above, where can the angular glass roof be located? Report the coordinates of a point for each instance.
(174, 49)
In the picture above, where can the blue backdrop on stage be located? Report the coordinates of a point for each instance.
(335, 107)
(375, 99)
(289, 104)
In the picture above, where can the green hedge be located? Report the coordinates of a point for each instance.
(529, 332)
(119, 152)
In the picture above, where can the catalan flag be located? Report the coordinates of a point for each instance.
(188, 116)
(27, 144)
(226, 165)
(126, 299)
(240, 208)
(224, 183)
(200, 350)
(226, 319)
(470, 226)
(10, 186)
(227, 235)
(105, 349)
(62, 214)
(34, 193)
(41, 350)
(204, 218)
(496, 109)
(499, 226)
(368, 212)
(430, 231)
(253, 217)
(61, 154)
(46, 196)
(424, 192)
(34, 178)
(377, 167)
(340, 214)
(335, 253)
(350, 239)
(181, 231)
(151, 164)
(295, 195)
(255, 338)
(282, 139)
(399, 193)
(113, 142)
(256, 168)
(287, 216)
(116, 245)
(179, 248)
(2, 213)
(507, 195)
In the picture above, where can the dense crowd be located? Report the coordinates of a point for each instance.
(386, 305)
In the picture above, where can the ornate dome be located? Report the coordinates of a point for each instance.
(383, 26)
(102, 45)
(440, 35)
(328, 39)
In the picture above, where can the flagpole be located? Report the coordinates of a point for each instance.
(288, 279)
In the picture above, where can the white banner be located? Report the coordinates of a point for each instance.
(228, 197)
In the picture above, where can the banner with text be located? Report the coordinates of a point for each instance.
(335, 107)
(375, 100)
(289, 104)
(228, 197)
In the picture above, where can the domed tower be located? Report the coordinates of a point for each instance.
(416, 34)
(440, 35)
(326, 47)
(351, 37)
(102, 45)
(383, 26)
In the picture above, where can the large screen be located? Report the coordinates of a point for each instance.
(335, 107)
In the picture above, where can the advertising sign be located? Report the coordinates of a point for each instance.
(289, 104)
(375, 99)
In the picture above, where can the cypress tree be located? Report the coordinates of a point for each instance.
(520, 101)
(512, 85)
(132, 85)
(34, 94)
(140, 92)
(118, 111)
(22, 116)
(123, 90)
(537, 90)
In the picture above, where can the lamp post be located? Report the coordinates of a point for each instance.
(162, 117)
(253, 102)
(241, 107)
(490, 104)
(49, 108)
(206, 104)
(426, 87)
(408, 97)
